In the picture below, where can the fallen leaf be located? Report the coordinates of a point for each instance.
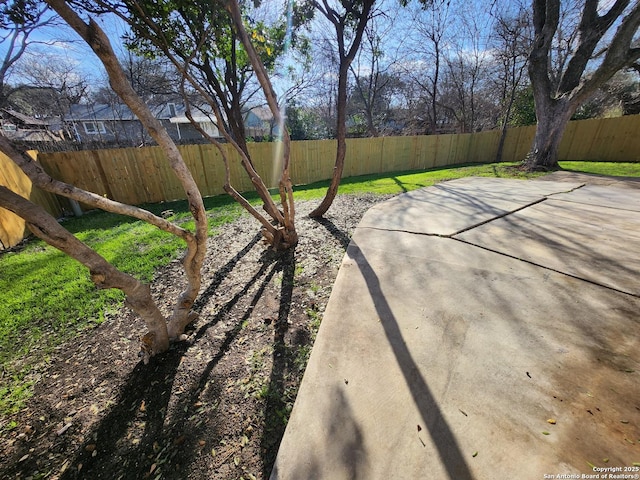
(545, 433)
(213, 452)
(605, 460)
(552, 421)
(22, 459)
(624, 421)
(236, 461)
(90, 448)
(475, 454)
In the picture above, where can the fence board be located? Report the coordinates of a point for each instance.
(139, 175)
(13, 228)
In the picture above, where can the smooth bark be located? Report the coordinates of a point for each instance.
(346, 57)
(103, 274)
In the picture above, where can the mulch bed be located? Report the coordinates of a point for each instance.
(216, 405)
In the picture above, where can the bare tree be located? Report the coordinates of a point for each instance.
(18, 21)
(373, 74)
(596, 53)
(348, 19)
(513, 42)
(52, 83)
(431, 26)
(465, 69)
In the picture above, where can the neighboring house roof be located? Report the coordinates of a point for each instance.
(37, 136)
(199, 114)
(25, 119)
(256, 116)
(119, 112)
(174, 112)
(116, 112)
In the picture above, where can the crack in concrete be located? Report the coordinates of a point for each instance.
(506, 214)
(593, 282)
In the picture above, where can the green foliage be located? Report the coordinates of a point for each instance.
(603, 168)
(524, 110)
(399, 182)
(46, 297)
(303, 124)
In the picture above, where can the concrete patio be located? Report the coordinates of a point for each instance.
(478, 329)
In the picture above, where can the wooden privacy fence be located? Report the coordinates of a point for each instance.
(12, 227)
(142, 175)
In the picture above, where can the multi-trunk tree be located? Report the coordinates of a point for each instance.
(279, 230)
(161, 330)
(601, 42)
(220, 58)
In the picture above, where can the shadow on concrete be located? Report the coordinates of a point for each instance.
(442, 436)
(347, 447)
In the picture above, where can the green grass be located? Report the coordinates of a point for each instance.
(46, 298)
(603, 168)
(399, 182)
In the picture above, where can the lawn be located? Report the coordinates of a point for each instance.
(46, 298)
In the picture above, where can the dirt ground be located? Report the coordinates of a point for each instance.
(216, 405)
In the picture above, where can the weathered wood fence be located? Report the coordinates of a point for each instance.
(142, 175)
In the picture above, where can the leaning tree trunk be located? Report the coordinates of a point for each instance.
(103, 274)
(553, 116)
(285, 235)
(181, 316)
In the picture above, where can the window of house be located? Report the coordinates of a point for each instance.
(9, 127)
(172, 109)
(93, 128)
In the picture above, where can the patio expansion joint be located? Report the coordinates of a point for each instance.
(452, 236)
(535, 264)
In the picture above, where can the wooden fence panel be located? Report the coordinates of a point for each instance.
(13, 228)
(212, 169)
(140, 175)
(618, 140)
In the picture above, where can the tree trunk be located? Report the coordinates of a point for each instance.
(284, 236)
(95, 37)
(553, 117)
(341, 151)
(103, 274)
